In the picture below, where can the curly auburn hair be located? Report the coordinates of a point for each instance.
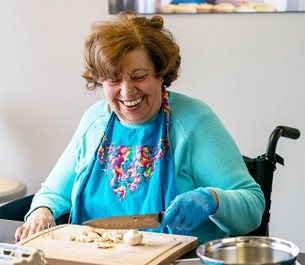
(110, 41)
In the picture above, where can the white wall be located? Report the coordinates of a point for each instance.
(293, 5)
(249, 67)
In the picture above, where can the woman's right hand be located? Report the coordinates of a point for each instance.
(39, 219)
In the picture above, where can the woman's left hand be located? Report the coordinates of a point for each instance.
(39, 220)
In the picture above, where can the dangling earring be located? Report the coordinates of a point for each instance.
(162, 85)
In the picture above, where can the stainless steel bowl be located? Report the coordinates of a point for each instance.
(250, 250)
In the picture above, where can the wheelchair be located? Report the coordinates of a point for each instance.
(261, 169)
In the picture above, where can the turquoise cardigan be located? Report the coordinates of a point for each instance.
(205, 156)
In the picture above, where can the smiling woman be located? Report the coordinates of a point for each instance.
(145, 149)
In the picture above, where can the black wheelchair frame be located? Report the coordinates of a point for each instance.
(262, 169)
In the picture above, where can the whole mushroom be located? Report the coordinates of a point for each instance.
(133, 237)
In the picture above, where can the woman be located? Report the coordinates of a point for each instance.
(145, 149)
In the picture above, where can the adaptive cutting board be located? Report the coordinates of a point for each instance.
(156, 248)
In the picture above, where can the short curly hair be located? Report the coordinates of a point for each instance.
(110, 41)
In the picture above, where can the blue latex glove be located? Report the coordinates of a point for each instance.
(189, 210)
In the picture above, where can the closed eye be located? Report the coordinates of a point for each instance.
(138, 78)
(114, 81)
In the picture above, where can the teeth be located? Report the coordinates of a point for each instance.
(133, 103)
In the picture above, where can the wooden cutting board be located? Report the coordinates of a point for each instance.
(156, 248)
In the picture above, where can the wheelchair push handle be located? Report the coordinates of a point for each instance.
(279, 131)
(289, 132)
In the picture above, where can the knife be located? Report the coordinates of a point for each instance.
(128, 221)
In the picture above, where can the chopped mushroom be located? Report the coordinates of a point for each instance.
(133, 237)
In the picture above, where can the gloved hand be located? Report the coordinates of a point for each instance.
(189, 209)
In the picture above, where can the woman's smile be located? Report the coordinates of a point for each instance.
(132, 103)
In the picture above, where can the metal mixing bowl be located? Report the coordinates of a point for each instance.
(250, 250)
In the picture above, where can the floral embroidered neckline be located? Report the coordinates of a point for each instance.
(129, 167)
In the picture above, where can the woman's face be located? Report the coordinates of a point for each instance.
(135, 95)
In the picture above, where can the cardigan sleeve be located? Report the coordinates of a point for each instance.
(55, 193)
(210, 158)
